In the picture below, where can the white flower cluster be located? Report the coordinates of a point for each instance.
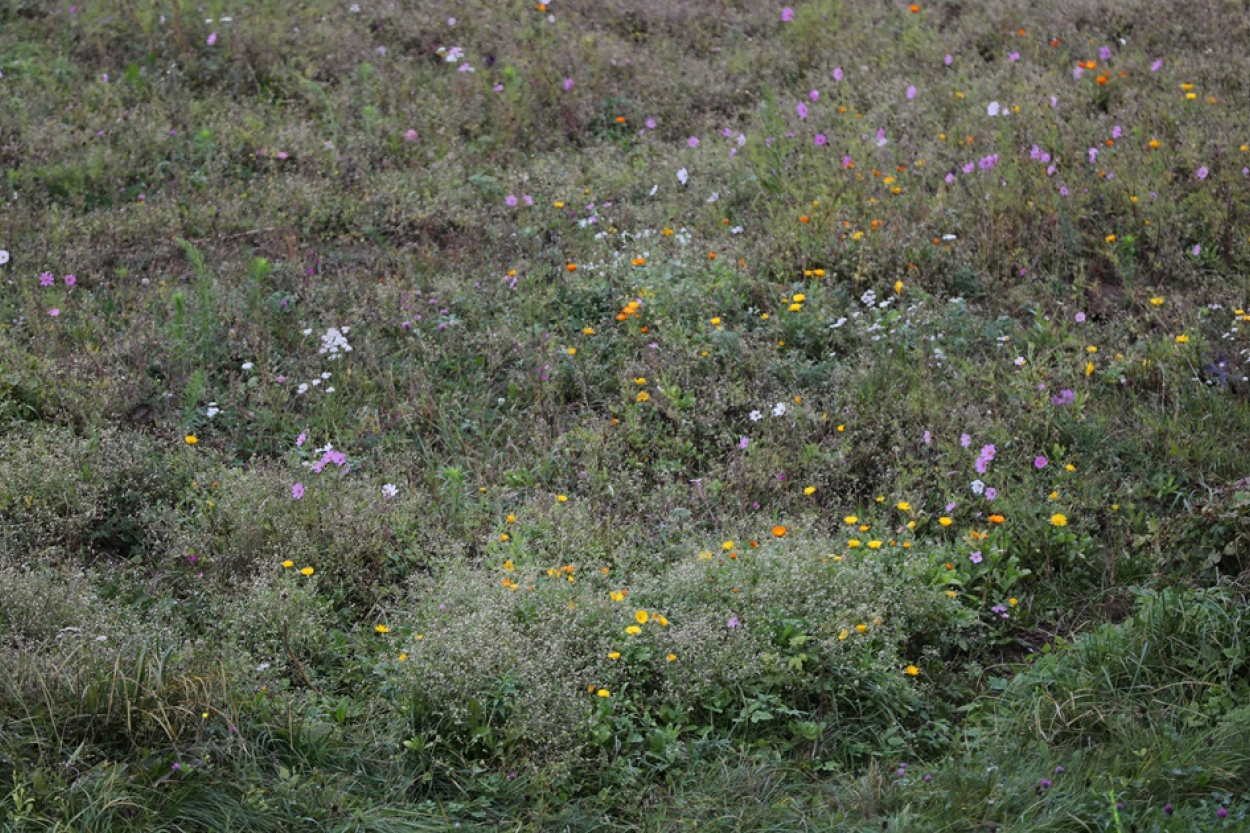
(304, 387)
(334, 343)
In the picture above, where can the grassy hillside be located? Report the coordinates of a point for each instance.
(628, 415)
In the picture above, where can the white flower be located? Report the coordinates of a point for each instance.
(868, 298)
(390, 490)
(1020, 360)
(682, 175)
(212, 410)
(303, 388)
(993, 109)
(334, 343)
(838, 323)
(247, 365)
(715, 196)
(354, 8)
(264, 666)
(4, 256)
(779, 409)
(654, 188)
(978, 487)
(755, 416)
(949, 237)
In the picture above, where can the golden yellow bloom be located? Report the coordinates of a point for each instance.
(382, 628)
(614, 655)
(1110, 238)
(850, 519)
(1089, 368)
(912, 671)
(403, 657)
(1013, 601)
(603, 692)
(190, 439)
(854, 542)
(809, 490)
(1070, 467)
(641, 617)
(861, 628)
(874, 545)
(308, 571)
(843, 634)
(617, 595)
(945, 521)
(562, 499)
(559, 204)
(671, 657)
(588, 331)
(663, 622)
(633, 630)
(904, 506)
(1156, 301)
(642, 396)
(288, 564)
(727, 546)
(1182, 339)
(1059, 519)
(572, 351)
(898, 287)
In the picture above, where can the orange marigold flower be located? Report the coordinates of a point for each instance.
(997, 519)
(779, 531)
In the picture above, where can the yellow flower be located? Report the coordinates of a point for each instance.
(800, 298)
(617, 595)
(641, 617)
(850, 519)
(874, 545)
(562, 499)
(572, 351)
(1153, 144)
(603, 692)
(663, 622)
(727, 546)
(911, 671)
(308, 571)
(945, 521)
(1053, 496)
(904, 506)
(843, 635)
(190, 439)
(382, 628)
(861, 628)
(641, 380)
(1110, 238)
(809, 490)
(633, 630)
(898, 287)
(795, 307)
(1156, 301)
(288, 564)
(505, 538)
(671, 657)
(1059, 519)
(614, 655)
(508, 565)
(559, 204)
(1013, 601)
(952, 594)
(1182, 339)
(1070, 467)
(716, 321)
(642, 396)
(1089, 368)
(854, 542)
(403, 657)
(511, 519)
(841, 428)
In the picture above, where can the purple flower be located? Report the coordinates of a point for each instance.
(1093, 155)
(1059, 770)
(1040, 462)
(969, 168)
(70, 280)
(965, 440)
(510, 201)
(1013, 57)
(297, 491)
(650, 124)
(787, 14)
(990, 493)
(928, 438)
(212, 39)
(1116, 132)
(1046, 781)
(950, 178)
(1080, 318)
(1065, 397)
(1077, 72)
(1197, 249)
(1221, 813)
(744, 442)
(820, 139)
(1155, 67)
(175, 766)
(911, 92)
(54, 312)
(949, 59)
(814, 95)
(692, 142)
(837, 74)
(975, 557)
(568, 84)
(802, 110)
(927, 777)
(733, 622)
(847, 161)
(46, 279)
(988, 162)
(301, 439)
(1104, 53)
(528, 199)
(1202, 172)
(1063, 191)
(1167, 808)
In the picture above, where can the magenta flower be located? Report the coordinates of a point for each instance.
(950, 178)
(411, 135)
(212, 39)
(1013, 57)
(975, 558)
(510, 200)
(820, 139)
(1080, 318)
(70, 280)
(802, 110)
(1202, 172)
(692, 142)
(1040, 462)
(837, 73)
(54, 312)
(46, 279)
(651, 124)
(814, 95)
(949, 59)
(911, 92)
(300, 439)
(568, 84)
(1157, 65)
(297, 491)
(787, 14)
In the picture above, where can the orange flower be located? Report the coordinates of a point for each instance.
(572, 267)
(640, 261)
(711, 255)
(1102, 79)
(913, 8)
(779, 532)
(803, 219)
(620, 119)
(997, 519)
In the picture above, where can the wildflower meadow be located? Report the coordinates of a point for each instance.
(632, 415)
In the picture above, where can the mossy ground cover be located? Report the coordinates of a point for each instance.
(630, 415)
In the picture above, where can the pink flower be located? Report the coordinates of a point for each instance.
(212, 39)
(949, 59)
(70, 280)
(787, 14)
(837, 73)
(802, 110)
(692, 142)
(301, 439)
(1040, 462)
(510, 200)
(814, 95)
(54, 312)
(568, 84)
(1202, 172)
(411, 135)
(297, 491)
(911, 92)
(820, 140)
(46, 279)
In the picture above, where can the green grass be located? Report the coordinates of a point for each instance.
(253, 579)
